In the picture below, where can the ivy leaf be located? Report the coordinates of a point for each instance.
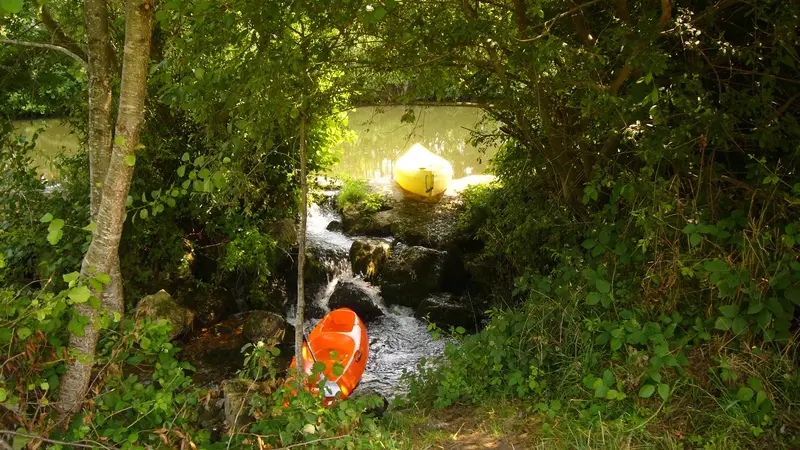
(12, 6)
(79, 294)
(130, 160)
(46, 218)
(663, 391)
(729, 310)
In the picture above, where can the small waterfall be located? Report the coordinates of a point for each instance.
(398, 340)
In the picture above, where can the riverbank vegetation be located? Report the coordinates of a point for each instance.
(638, 252)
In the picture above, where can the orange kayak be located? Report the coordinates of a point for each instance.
(340, 342)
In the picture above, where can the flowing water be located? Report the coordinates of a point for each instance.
(397, 341)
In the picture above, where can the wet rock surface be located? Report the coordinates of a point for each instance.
(447, 310)
(268, 327)
(161, 306)
(367, 257)
(358, 296)
(411, 274)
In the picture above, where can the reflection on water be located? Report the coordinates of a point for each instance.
(57, 139)
(382, 137)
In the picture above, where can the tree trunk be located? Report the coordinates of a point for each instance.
(301, 252)
(102, 255)
(101, 68)
(100, 77)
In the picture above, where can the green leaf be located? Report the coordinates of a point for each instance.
(694, 239)
(23, 333)
(739, 325)
(755, 307)
(12, 6)
(185, 157)
(46, 218)
(2, 261)
(793, 295)
(204, 172)
(716, 265)
(338, 369)
(318, 367)
(54, 236)
(199, 160)
(729, 310)
(647, 391)
(144, 342)
(119, 140)
(722, 323)
(91, 227)
(79, 294)
(760, 397)
(612, 394)
(55, 225)
(181, 171)
(226, 160)
(608, 377)
(745, 394)
(161, 15)
(103, 278)
(593, 298)
(218, 179)
(130, 160)
(378, 14)
(603, 286)
(70, 277)
(3, 395)
(143, 214)
(663, 391)
(461, 330)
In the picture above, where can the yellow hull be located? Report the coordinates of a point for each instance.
(421, 172)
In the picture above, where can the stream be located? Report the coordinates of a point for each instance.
(397, 341)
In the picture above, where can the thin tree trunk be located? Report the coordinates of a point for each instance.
(101, 68)
(301, 253)
(102, 256)
(100, 77)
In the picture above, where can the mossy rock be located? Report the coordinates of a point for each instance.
(161, 306)
(367, 257)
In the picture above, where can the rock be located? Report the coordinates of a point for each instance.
(212, 306)
(335, 225)
(161, 305)
(284, 232)
(267, 326)
(358, 296)
(411, 274)
(376, 405)
(355, 222)
(445, 310)
(367, 256)
(237, 394)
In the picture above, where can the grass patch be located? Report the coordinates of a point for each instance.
(355, 193)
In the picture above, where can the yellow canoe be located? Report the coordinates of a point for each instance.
(421, 172)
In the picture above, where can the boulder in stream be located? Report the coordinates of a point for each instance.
(356, 222)
(411, 274)
(267, 326)
(358, 296)
(447, 310)
(367, 256)
(161, 305)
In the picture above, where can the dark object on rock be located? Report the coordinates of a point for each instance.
(411, 274)
(335, 225)
(367, 256)
(161, 305)
(446, 310)
(356, 222)
(358, 296)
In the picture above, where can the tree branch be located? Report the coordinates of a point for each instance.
(549, 24)
(57, 48)
(59, 37)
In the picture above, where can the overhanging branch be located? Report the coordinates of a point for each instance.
(47, 46)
